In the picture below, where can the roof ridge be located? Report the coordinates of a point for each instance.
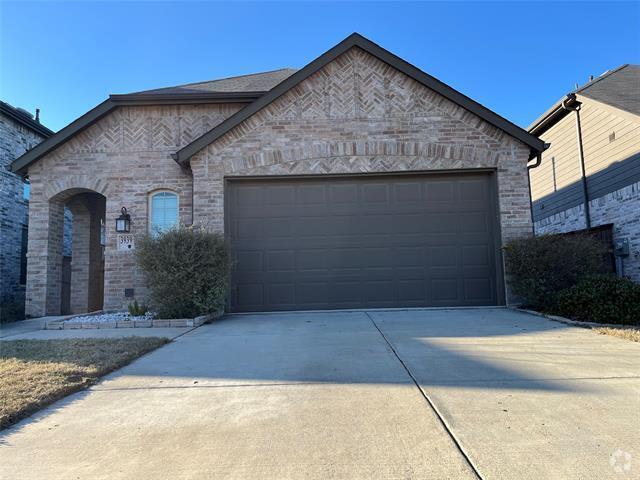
(601, 77)
(216, 79)
(26, 118)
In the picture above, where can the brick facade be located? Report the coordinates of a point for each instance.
(123, 157)
(15, 139)
(622, 208)
(355, 115)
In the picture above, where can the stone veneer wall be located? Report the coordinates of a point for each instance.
(124, 156)
(15, 139)
(622, 208)
(360, 115)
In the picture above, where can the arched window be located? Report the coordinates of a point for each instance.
(163, 211)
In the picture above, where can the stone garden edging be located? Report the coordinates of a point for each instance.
(62, 324)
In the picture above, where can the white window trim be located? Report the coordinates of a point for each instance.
(150, 205)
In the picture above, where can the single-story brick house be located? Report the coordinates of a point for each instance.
(356, 181)
(590, 175)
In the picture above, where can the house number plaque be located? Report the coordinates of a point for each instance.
(125, 242)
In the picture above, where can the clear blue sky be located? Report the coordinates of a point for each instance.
(514, 57)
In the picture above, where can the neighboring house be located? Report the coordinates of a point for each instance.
(357, 181)
(19, 132)
(593, 160)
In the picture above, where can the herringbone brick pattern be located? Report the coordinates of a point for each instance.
(138, 129)
(357, 85)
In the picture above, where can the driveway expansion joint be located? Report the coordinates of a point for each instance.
(428, 400)
(178, 387)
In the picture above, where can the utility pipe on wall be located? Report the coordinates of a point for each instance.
(529, 168)
(585, 191)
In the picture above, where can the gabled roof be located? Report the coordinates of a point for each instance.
(275, 83)
(619, 88)
(356, 40)
(23, 117)
(227, 90)
(253, 82)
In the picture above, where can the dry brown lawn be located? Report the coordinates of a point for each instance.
(36, 373)
(628, 333)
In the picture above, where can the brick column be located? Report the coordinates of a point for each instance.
(44, 258)
(80, 256)
(86, 259)
(96, 270)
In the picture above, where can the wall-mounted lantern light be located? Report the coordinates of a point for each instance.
(123, 222)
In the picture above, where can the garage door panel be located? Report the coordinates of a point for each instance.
(408, 193)
(248, 195)
(474, 222)
(441, 222)
(477, 289)
(281, 261)
(440, 191)
(311, 195)
(309, 293)
(311, 226)
(280, 196)
(408, 222)
(408, 256)
(281, 294)
(472, 191)
(445, 289)
(250, 294)
(376, 193)
(379, 291)
(443, 256)
(350, 292)
(415, 240)
(411, 290)
(249, 261)
(476, 255)
(344, 194)
(249, 228)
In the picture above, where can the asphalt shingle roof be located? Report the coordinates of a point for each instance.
(619, 88)
(255, 82)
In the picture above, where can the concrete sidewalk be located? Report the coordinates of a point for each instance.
(23, 326)
(413, 394)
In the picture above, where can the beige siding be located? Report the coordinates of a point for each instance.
(564, 150)
(597, 124)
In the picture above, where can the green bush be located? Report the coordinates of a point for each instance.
(137, 309)
(11, 309)
(186, 270)
(600, 299)
(539, 267)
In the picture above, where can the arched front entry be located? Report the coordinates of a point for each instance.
(59, 283)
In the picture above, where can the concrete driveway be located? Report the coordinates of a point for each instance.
(487, 393)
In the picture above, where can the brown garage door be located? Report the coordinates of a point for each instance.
(362, 242)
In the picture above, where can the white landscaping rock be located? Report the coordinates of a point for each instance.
(110, 318)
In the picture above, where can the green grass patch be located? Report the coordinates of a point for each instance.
(36, 373)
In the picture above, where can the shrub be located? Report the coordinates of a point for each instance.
(539, 267)
(601, 299)
(186, 270)
(11, 308)
(137, 309)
